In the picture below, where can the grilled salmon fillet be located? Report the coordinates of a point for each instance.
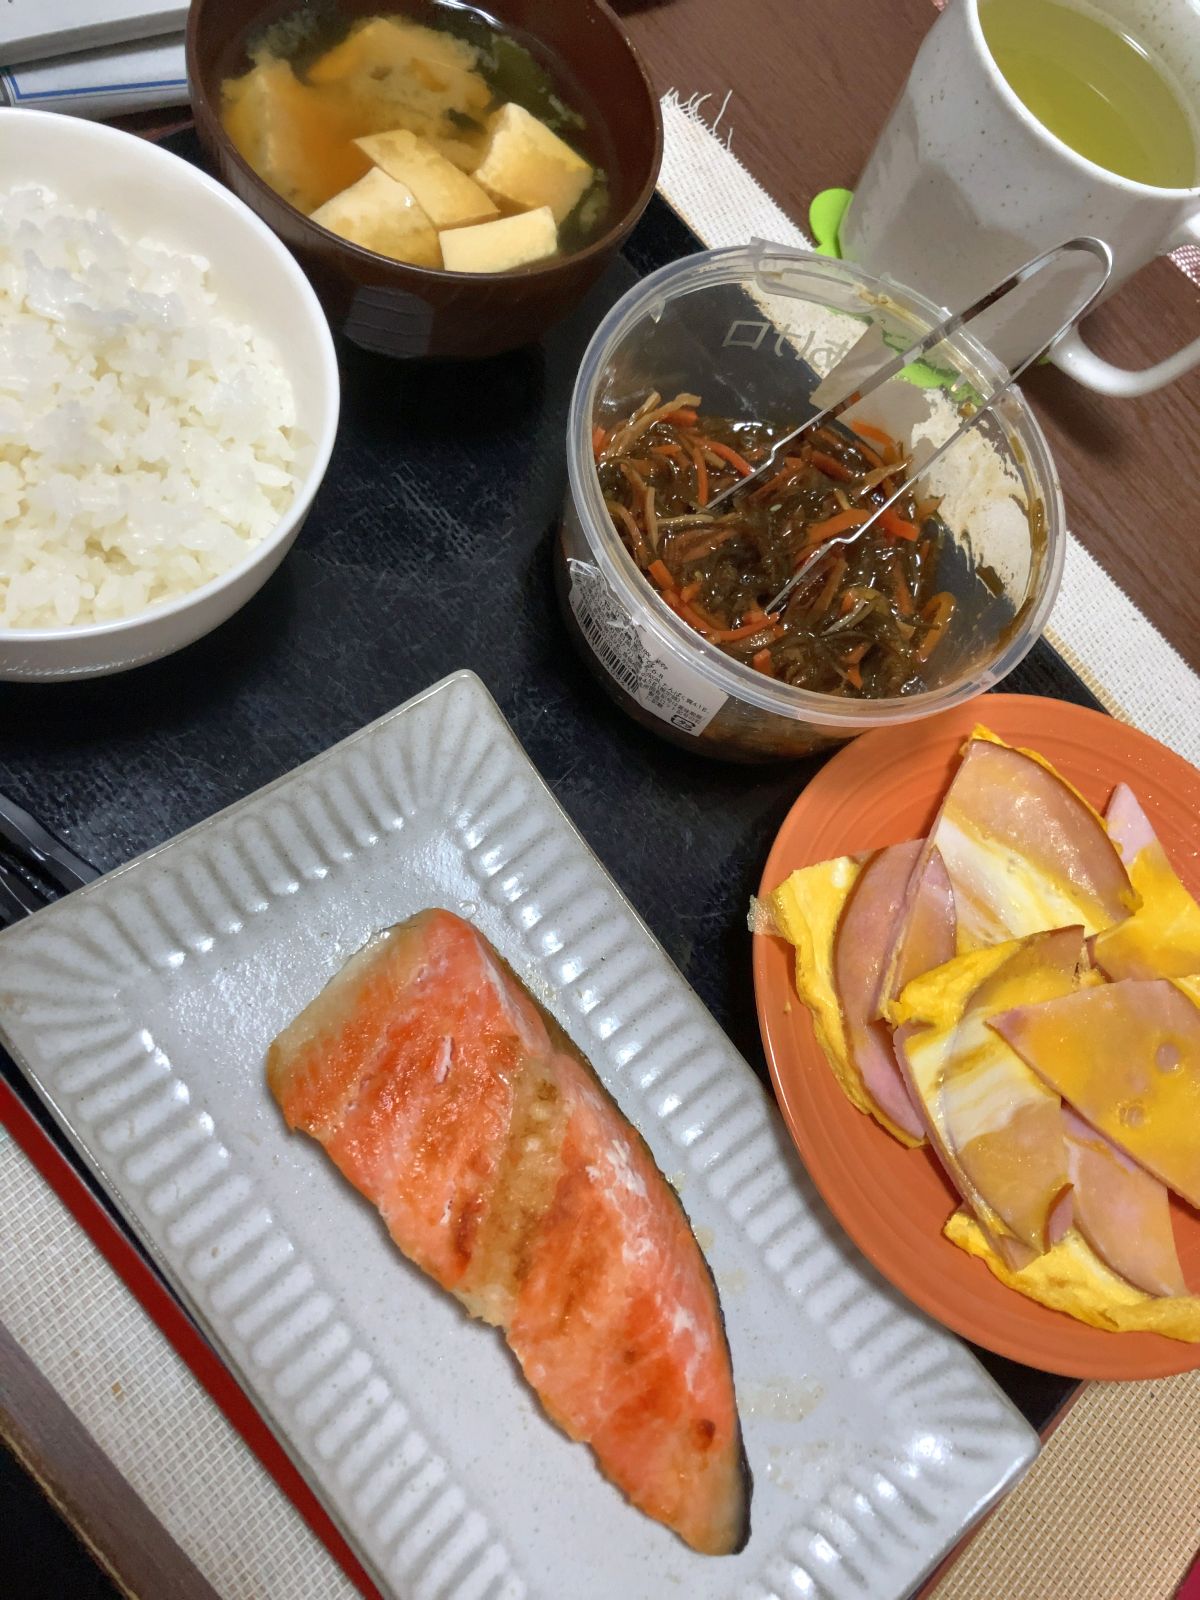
(505, 1171)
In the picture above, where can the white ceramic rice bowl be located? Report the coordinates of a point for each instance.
(150, 192)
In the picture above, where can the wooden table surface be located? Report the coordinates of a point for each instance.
(811, 82)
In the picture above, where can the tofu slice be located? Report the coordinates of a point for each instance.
(525, 165)
(396, 74)
(382, 215)
(447, 196)
(295, 137)
(385, 43)
(497, 246)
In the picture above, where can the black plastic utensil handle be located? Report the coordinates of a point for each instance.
(27, 835)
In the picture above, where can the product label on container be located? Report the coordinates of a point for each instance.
(656, 678)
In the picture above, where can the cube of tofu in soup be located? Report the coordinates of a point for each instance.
(499, 246)
(526, 165)
(382, 215)
(294, 136)
(448, 198)
(401, 75)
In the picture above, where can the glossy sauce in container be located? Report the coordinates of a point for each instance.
(752, 330)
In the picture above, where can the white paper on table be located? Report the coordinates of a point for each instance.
(102, 83)
(31, 30)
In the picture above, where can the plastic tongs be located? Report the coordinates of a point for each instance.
(891, 368)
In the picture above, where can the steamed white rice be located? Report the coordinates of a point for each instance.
(148, 441)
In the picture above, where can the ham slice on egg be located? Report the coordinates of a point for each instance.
(841, 916)
(1024, 854)
(1122, 1212)
(1162, 938)
(997, 1128)
(864, 936)
(1127, 1056)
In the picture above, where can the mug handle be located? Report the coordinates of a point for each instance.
(1074, 358)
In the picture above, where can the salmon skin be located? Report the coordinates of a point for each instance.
(504, 1170)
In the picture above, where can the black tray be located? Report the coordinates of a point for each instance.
(429, 549)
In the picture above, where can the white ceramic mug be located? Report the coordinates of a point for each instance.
(965, 184)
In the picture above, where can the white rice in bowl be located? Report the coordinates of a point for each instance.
(148, 440)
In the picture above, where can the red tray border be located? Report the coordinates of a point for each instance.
(206, 1366)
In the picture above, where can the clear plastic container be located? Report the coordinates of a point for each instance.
(752, 330)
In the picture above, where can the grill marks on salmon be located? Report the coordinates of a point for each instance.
(504, 1170)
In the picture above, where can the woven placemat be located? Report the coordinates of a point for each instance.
(1109, 1511)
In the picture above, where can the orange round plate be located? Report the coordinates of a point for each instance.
(892, 1201)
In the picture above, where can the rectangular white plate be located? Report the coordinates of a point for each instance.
(142, 1006)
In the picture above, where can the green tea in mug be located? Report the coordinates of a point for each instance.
(1096, 88)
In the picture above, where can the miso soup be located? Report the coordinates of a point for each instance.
(435, 136)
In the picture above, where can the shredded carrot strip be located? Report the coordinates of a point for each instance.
(728, 635)
(837, 572)
(661, 574)
(641, 550)
(850, 663)
(701, 476)
(698, 620)
(786, 472)
(862, 448)
(892, 452)
(761, 661)
(937, 612)
(891, 522)
(599, 440)
(681, 417)
(868, 430)
(848, 603)
(904, 599)
(713, 624)
(673, 451)
(830, 467)
(728, 453)
(818, 531)
(690, 590)
(704, 543)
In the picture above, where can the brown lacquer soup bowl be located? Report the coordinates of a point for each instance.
(411, 311)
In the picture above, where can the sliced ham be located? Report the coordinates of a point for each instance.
(1062, 1218)
(1122, 1212)
(1024, 854)
(1162, 938)
(1128, 826)
(930, 921)
(999, 1128)
(807, 909)
(1127, 1056)
(864, 935)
